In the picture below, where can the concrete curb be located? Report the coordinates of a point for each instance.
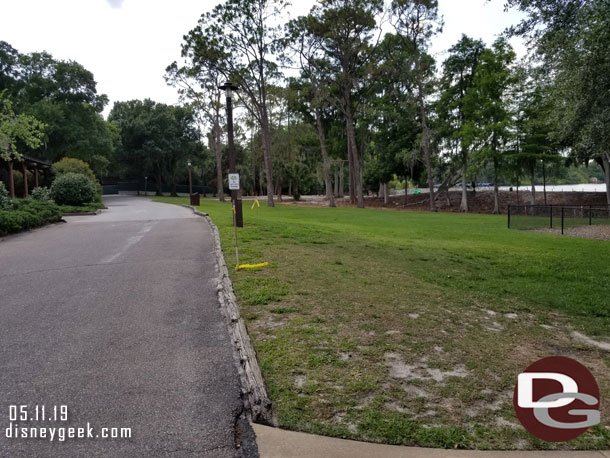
(277, 443)
(254, 394)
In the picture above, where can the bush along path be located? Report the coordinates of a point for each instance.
(411, 328)
(24, 214)
(73, 191)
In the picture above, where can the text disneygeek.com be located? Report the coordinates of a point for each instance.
(22, 417)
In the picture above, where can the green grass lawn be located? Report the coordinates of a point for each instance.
(410, 328)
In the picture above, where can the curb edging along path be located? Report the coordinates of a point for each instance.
(254, 393)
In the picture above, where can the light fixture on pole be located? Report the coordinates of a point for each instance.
(194, 198)
(146, 185)
(189, 164)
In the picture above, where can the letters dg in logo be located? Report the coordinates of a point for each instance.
(557, 399)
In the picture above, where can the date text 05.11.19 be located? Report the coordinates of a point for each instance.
(38, 413)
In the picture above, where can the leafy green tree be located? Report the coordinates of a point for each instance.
(416, 22)
(487, 102)
(391, 113)
(307, 95)
(16, 128)
(455, 115)
(535, 142)
(201, 89)
(237, 40)
(63, 95)
(571, 39)
(156, 139)
(345, 32)
(311, 91)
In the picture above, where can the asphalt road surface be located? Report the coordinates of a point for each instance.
(115, 316)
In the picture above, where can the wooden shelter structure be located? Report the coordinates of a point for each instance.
(24, 165)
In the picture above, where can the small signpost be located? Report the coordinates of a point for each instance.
(234, 181)
(234, 186)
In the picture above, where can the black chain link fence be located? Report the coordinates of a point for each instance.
(556, 216)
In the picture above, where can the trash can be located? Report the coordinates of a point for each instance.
(195, 201)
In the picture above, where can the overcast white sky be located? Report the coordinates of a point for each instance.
(127, 44)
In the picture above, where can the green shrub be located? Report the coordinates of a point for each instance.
(71, 165)
(46, 210)
(5, 199)
(72, 189)
(28, 214)
(41, 194)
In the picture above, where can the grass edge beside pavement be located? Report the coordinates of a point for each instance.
(361, 314)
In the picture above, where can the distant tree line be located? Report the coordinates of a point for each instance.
(51, 109)
(331, 91)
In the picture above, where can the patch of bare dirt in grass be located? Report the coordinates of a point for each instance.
(583, 232)
(403, 350)
(589, 341)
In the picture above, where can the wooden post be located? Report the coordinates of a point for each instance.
(25, 180)
(36, 177)
(11, 180)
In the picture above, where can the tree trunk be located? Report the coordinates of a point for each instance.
(425, 139)
(606, 162)
(173, 192)
(351, 138)
(267, 154)
(218, 152)
(159, 186)
(279, 191)
(336, 183)
(386, 195)
(325, 161)
(464, 203)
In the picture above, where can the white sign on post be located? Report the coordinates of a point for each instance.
(234, 181)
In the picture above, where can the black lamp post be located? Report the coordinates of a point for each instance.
(229, 88)
(146, 185)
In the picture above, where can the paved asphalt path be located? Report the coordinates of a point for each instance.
(116, 316)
